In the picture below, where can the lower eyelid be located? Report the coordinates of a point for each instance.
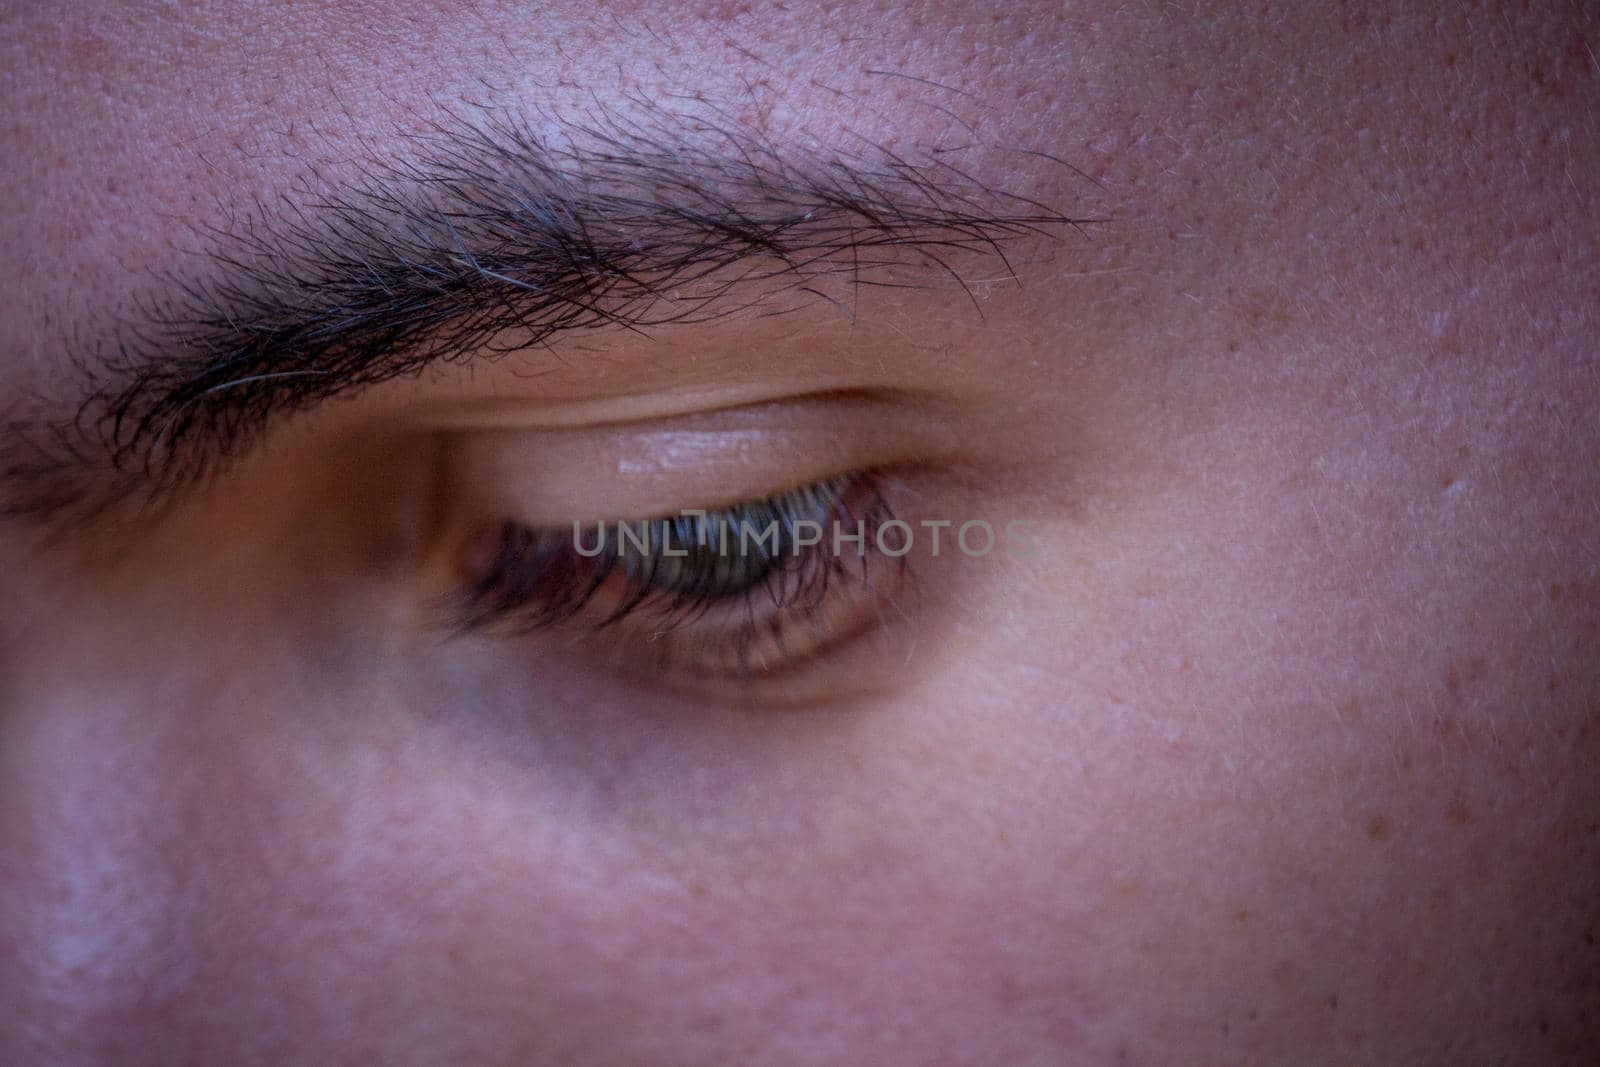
(784, 640)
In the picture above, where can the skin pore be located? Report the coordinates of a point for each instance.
(1276, 746)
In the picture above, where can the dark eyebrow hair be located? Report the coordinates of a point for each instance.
(481, 231)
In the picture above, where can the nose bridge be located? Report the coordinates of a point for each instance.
(93, 895)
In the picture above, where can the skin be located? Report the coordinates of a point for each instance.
(1279, 748)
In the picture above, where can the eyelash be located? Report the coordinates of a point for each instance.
(749, 604)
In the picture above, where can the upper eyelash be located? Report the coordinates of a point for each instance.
(538, 579)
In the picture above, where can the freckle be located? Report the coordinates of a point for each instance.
(1350, 709)
(1242, 916)
(1378, 828)
(1458, 813)
(1333, 1002)
(1556, 589)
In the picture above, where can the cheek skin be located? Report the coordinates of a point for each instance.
(1318, 663)
(846, 905)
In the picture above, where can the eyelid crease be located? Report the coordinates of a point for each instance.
(600, 413)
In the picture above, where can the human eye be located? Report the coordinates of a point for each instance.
(770, 555)
(749, 591)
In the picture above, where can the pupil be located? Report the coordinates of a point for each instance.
(727, 552)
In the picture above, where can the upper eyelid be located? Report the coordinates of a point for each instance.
(709, 459)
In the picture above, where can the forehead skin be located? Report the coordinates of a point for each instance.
(1285, 754)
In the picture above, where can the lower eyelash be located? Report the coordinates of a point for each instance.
(743, 600)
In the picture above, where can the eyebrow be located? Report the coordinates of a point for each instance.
(476, 234)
